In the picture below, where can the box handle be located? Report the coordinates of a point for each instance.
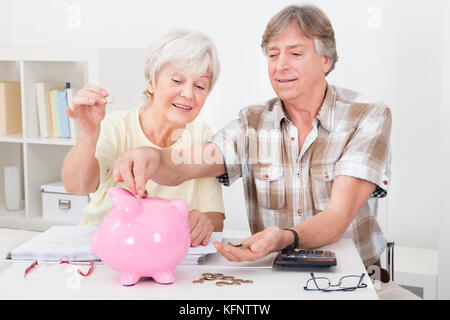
(64, 204)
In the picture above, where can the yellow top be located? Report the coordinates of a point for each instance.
(121, 131)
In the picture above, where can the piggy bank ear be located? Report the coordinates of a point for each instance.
(125, 201)
(181, 206)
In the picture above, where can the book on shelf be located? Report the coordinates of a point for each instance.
(69, 95)
(44, 107)
(64, 123)
(10, 108)
(72, 243)
(52, 99)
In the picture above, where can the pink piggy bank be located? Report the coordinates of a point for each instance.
(143, 237)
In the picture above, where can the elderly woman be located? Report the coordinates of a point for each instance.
(181, 69)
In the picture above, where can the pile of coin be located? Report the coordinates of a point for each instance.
(241, 246)
(223, 279)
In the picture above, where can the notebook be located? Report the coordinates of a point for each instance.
(72, 243)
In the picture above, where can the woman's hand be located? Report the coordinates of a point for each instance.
(201, 228)
(88, 110)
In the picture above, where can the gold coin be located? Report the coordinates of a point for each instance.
(198, 281)
(228, 278)
(221, 283)
(247, 281)
(207, 274)
(235, 283)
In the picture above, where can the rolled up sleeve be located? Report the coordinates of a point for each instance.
(228, 140)
(367, 155)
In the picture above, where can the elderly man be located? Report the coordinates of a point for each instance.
(314, 160)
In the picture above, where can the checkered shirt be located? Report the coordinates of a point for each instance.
(285, 186)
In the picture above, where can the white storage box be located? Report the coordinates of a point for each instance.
(58, 205)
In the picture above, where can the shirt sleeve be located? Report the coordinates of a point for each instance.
(367, 155)
(228, 141)
(209, 196)
(107, 150)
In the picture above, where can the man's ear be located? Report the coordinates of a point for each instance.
(326, 64)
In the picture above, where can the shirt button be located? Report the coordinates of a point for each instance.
(299, 212)
(385, 182)
(292, 138)
(266, 176)
(298, 174)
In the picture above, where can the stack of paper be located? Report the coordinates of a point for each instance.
(72, 243)
(57, 243)
(196, 255)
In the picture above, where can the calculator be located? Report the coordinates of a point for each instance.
(306, 258)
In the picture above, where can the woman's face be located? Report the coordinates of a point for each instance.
(179, 96)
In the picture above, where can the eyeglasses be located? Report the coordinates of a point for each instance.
(346, 283)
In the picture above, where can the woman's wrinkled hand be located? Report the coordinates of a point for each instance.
(88, 110)
(201, 228)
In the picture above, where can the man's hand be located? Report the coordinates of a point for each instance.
(261, 244)
(201, 228)
(135, 167)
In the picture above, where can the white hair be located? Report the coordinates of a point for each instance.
(194, 52)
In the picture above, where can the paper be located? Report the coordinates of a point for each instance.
(209, 248)
(70, 243)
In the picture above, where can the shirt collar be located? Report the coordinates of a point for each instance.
(325, 115)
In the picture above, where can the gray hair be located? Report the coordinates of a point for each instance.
(194, 52)
(312, 22)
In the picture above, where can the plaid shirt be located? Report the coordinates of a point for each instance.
(285, 186)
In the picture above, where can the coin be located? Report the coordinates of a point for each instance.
(228, 278)
(198, 281)
(247, 281)
(235, 283)
(222, 283)
(110, 99)
(209, 278)
(207, 274)
(240, 245)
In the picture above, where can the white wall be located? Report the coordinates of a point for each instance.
(444, 221)
(5, 23)
(392, 50)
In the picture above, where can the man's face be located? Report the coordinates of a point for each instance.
(295, 69)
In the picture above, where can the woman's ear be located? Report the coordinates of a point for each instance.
(150, 87)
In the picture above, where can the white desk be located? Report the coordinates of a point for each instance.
(62, 282)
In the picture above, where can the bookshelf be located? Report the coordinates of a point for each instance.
(39, 159)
